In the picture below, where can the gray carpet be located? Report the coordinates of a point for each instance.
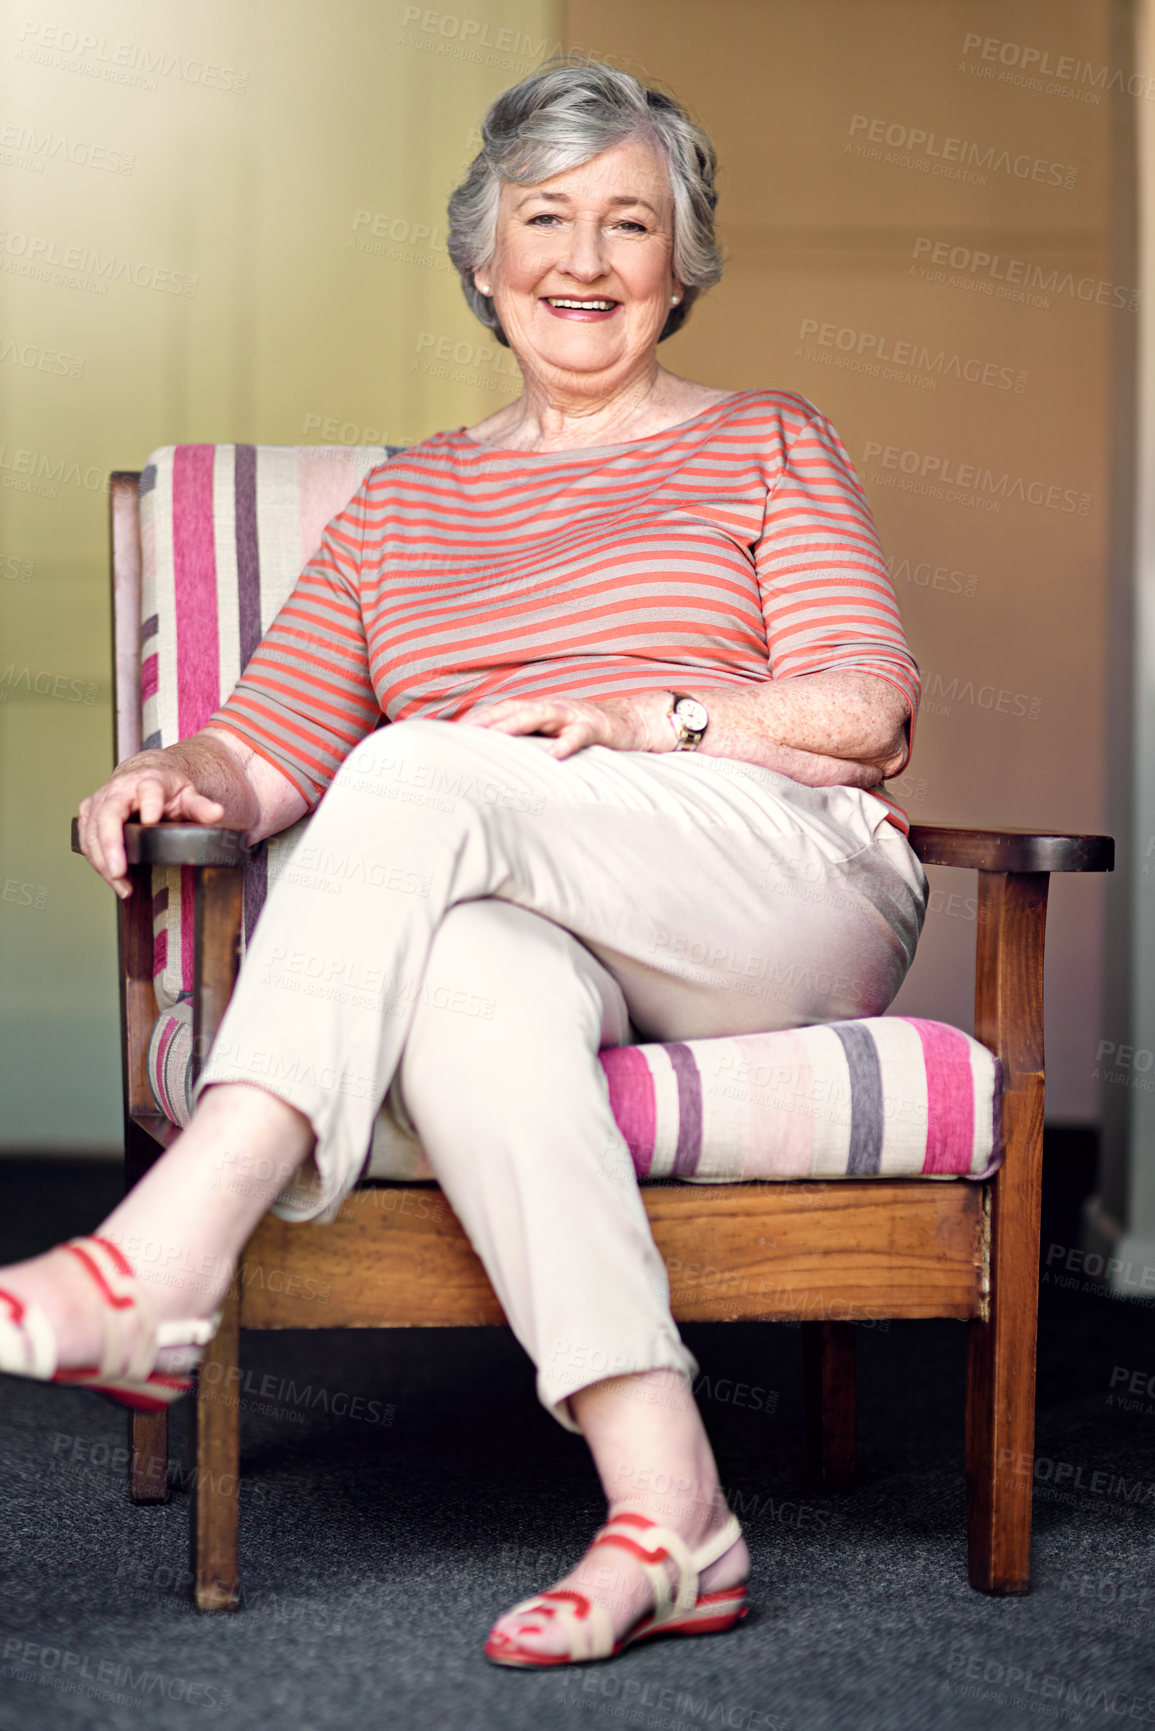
(381, 1535)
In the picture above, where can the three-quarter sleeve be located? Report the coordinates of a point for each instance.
(826, 597)
(306, 697)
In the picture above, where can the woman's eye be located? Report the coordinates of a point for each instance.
(547, 219)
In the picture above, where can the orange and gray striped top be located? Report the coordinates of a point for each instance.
(732, 548)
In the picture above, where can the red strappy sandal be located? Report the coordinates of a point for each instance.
(681, 1611)
(132, 1336)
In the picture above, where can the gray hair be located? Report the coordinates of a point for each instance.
(567, 112)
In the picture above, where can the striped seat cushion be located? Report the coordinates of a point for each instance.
(885, 1097)
(225, 532)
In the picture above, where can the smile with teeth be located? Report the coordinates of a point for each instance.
(581, 306)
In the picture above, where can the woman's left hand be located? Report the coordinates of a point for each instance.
(570, 723)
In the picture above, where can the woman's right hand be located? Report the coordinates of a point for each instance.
(213, 777)
(148, 792)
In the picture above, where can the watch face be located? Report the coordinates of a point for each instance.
(691, 714)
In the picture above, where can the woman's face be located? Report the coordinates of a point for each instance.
(581, 273)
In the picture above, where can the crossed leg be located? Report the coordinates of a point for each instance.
(514, 1115)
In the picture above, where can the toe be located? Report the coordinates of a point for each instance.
(500, 1645)
(519, 1632)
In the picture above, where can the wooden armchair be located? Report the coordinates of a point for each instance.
(851, 1248)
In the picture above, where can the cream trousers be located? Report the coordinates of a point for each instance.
(466, 921)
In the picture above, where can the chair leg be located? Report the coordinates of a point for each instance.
(217, 1420)
(148, 1457)
(1001, 1350)
(1001, 1346)
(147, 1432)
(216, 1468)
(828, 1361)
(1000, 1453)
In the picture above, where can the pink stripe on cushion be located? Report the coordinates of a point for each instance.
(988, 1108)
(195, 578)
(158, 1080)
(950, 1097)
(149, 675)
(632, 1101)
(781, 1140)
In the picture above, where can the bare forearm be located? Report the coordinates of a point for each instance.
(812, 768)
(820, 728)
(851, 715)
(823, 729)
(279, 802)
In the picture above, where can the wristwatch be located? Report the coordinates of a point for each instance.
(689, 720)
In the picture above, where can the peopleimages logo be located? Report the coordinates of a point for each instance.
(1027, 65)
(45, 684)
(37, 148)
(949, 157)
(899, 358)
(61, 1667)
(923, 575)
(39, 255)
(37, 472)
(939, 696)
(41, 360)
(987, 269)
(966, 483)
(133, 63)
(1009, 1684)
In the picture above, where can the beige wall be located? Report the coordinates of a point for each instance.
(223, 152)
(239, 177)
(1005, 608)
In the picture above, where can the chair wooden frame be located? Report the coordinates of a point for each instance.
(823, 1253)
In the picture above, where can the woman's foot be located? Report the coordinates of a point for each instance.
(613, 1575)
(125, 1350)
(61, 1289)
(169, 1248)
(68, 1291)
(645, 1433)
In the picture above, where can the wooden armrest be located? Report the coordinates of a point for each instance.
(987, 850)
(174, 844)
(1012, 850)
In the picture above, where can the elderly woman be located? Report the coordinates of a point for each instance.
(642, 673)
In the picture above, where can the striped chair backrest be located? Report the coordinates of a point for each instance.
(225, 532)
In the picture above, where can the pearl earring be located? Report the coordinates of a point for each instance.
(674, 299)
